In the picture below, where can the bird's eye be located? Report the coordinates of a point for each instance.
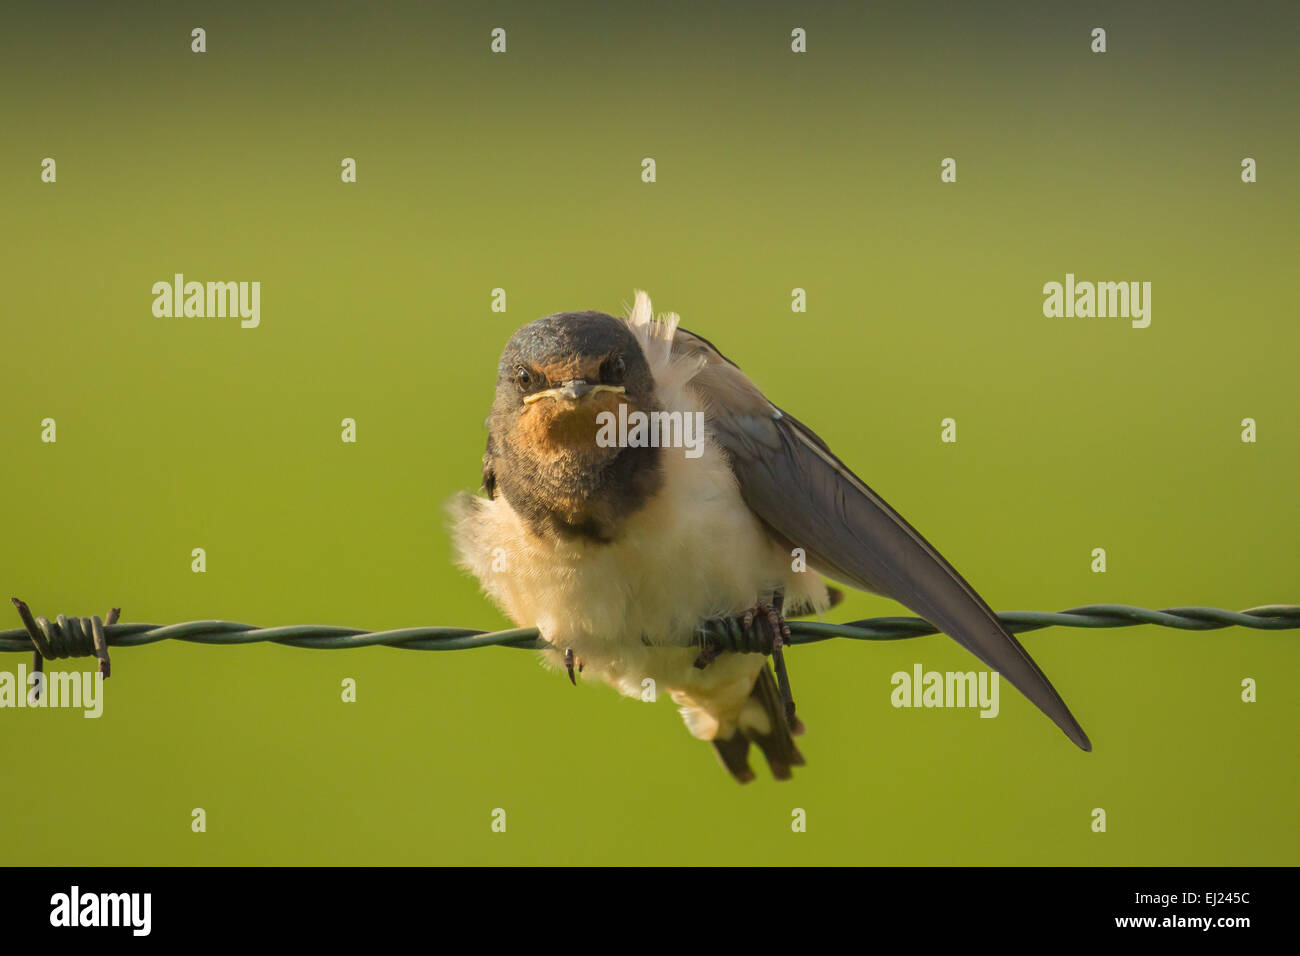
(613, 369)
(523, 377)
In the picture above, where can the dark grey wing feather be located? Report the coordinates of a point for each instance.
(806, 495)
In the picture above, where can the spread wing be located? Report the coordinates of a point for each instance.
(796, 485)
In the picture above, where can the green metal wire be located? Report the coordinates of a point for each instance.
(70, 636)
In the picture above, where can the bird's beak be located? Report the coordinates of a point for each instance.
(573, 390)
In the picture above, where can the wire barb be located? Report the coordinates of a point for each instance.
(66, 637)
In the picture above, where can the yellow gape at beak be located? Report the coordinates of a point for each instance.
(573, 390)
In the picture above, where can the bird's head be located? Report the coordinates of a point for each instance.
(556, 377)
(558, 374)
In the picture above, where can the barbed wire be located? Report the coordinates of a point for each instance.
(81, 637)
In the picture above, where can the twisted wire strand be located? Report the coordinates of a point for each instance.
(67, 635)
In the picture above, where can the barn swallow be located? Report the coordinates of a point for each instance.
(618, 550)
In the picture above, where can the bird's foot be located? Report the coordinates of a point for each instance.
(710, 651)
(760, 630)
(778, 631)
(740, 634)
(568, 665)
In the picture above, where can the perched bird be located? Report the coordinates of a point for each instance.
(617, 542)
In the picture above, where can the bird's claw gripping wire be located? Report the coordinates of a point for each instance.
(568, 665)
(740, 635)
(66, 637)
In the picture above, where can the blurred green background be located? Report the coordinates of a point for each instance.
(522, 171)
